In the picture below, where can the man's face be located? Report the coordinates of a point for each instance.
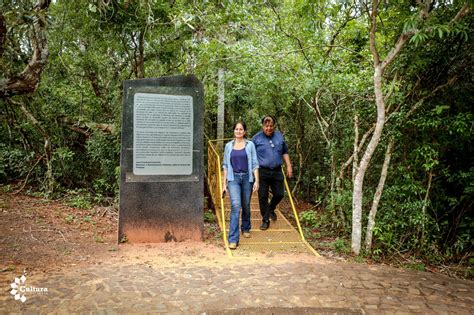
(268, 127)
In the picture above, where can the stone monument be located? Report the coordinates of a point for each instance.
(161, 163)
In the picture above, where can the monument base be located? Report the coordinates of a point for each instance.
(141, 234)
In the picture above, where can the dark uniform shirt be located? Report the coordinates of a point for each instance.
(270, 150)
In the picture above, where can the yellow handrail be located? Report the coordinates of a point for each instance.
(296, 214)
(213, 152)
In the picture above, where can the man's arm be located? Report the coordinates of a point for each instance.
(289, 169)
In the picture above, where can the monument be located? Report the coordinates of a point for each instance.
(161, 162)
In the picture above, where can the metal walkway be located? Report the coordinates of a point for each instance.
(280, 237)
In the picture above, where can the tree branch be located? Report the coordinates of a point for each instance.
(86, 128)
(405, 36)
(300, 44)
(356, 151)
(349, 17)
(378, 195)
(27, 81)
(315, 105)
(396, 49)
(461, 13)
(435, 90)
(373, 30)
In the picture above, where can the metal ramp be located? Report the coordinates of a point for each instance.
(280, 237)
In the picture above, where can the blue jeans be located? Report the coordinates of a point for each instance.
(240, 192)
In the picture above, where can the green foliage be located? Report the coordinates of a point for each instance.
(104, 151)
(79, 199)
(70, 218)
(63, 166)
(6, 188)
(470, 270)
(309, 218)
(14, 163)
(359, 260)
(416, 266)
(469, 273)
(341, 247)
(101, 186)
(80, 202)
(209, 217)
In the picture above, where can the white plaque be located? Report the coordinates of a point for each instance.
(162, 134)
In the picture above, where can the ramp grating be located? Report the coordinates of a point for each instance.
(281, 237)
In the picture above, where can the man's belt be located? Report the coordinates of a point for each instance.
(271, 168)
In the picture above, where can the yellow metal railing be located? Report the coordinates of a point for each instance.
(287, 187)
(214, 179)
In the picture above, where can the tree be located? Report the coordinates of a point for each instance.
(27, 81)
(379, 67)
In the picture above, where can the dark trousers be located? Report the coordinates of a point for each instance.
(270, 179)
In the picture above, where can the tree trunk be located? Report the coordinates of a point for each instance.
(357, 195)
(379, 66)
(356, 147)
(141, 55)
(337, 212)
(425, 205)
(220, 108)
(300, 139)
(377, 196)
(299, 153)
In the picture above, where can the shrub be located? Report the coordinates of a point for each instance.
(309, 218)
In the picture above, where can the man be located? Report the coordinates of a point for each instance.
(271, 152)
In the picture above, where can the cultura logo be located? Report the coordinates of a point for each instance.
(19, 289)
(17, 286)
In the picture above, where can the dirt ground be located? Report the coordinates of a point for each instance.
(39, 236)
(43, 235)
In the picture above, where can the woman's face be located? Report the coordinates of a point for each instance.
(239, 131)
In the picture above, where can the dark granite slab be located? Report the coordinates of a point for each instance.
(161, 180)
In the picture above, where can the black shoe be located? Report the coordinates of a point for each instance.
(273, 216)
(264, 226)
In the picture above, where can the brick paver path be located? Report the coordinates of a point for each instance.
(263, 285)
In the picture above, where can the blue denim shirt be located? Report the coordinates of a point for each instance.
(251, 159)
(270, 155)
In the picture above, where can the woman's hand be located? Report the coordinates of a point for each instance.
(255, 186)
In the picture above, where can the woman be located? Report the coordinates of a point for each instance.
(240, 167)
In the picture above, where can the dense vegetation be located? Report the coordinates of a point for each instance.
(309, 63)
